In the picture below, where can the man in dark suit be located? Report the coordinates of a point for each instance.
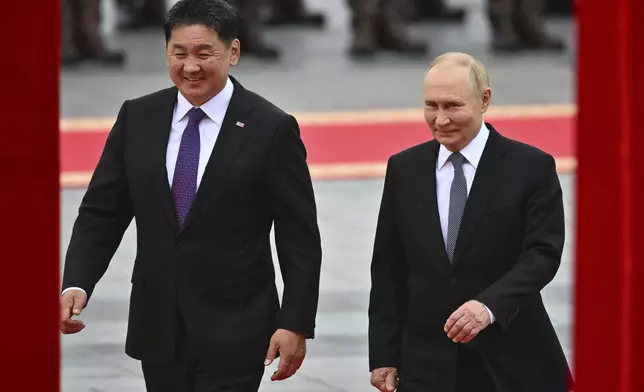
(204, 311)
(470, 229)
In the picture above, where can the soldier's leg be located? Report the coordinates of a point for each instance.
(530, 28)
(251, 32)
(294, 13)
(436, 10)
(87, 34)
(390, 29)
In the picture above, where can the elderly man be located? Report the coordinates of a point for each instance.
(471, 228)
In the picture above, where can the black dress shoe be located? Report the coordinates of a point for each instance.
(362, 52)
(406, 47)
(446, 15)
(390, 37)
(559, 8)
(70, 61)
(114, 58)
(548, 43)
(261, 50)
(507, 47)
(140, 23)
(309, 19)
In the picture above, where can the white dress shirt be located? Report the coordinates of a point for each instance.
(445, 174)
(215, 110)
(209, 128)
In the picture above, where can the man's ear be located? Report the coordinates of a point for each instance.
(486, 99)
(235, 52)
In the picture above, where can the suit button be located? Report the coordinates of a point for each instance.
(453, 282)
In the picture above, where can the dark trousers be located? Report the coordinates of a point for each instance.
(186, 373)
(80, 32)
(471, 373)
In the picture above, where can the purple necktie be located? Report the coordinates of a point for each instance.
(184, 181)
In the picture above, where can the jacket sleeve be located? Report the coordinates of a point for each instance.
(388, 297)
(297, 237)
(543, 241)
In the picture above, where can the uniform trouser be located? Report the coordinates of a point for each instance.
(80, 28)
(512, 19)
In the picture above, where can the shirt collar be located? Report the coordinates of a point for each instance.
(215, 108)
(472, 152)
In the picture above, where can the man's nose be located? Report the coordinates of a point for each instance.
(442, 118)
(191, 66)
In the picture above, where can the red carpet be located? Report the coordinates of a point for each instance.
(346, 150)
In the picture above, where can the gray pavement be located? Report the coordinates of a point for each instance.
(94, 360)
(314, 75)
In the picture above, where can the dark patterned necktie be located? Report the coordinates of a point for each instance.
(457, 199)
(184, 181)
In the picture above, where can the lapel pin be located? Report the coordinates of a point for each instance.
(240, 124)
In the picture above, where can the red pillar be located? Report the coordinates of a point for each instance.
(29, 244)
(609, 309)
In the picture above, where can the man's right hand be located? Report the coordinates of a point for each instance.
(385, 379)
(72, 304)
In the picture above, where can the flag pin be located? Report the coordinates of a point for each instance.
(240, 124)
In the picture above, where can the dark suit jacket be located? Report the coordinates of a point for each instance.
(217, 272)
(509, 247)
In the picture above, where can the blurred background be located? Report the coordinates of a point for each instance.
(350, 71)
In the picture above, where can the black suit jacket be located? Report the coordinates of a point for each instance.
(509, 247)
(217, 272)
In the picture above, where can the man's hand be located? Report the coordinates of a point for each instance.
(72, 304)
(292, 349)
(467, 321)
(385, 379)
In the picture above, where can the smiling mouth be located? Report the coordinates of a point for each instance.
(193, 79)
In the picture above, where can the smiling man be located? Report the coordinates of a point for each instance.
(471, 228)
(206, 168)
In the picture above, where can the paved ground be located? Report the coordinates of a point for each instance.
(94, 360)
(314, 75)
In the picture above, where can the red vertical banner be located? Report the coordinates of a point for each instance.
(29, 197)
(609, 305)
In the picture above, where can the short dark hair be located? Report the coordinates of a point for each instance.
(219, 15)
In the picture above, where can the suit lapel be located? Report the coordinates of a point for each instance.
(231, 137)
(483, 189)
(425, 180)
(159, 128)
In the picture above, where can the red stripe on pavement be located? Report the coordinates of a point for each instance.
(355, 143)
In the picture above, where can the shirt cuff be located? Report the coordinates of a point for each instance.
(492, 319)
(74, 288)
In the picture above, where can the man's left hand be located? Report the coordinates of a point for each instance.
(292, 349)
(467, 321)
